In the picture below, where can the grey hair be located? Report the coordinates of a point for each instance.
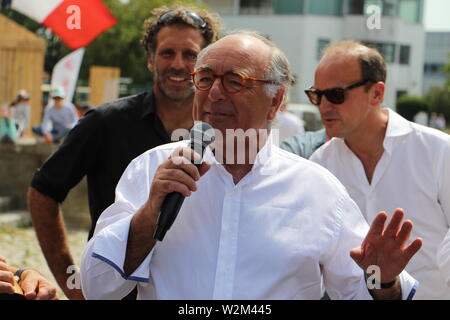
(278, 70)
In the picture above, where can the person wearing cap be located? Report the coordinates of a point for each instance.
(108, 137)
(21, 111)
(58, 118)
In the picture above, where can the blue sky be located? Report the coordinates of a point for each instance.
(437, 15)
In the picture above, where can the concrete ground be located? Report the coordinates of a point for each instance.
(20, 247)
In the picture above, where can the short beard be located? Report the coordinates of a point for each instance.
(175, 96)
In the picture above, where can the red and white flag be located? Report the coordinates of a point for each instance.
(76, 22)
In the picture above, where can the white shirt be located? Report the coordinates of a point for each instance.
(271, 236)
(414, 174)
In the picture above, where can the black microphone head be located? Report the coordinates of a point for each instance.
(202, 135)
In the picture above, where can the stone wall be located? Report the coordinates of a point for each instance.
(17, 166)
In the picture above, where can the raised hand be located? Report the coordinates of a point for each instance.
(386, 247)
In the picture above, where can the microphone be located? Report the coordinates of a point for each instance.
(201, 136)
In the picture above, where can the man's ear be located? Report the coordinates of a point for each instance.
(276, 102)
(377, 93)
(150, 62)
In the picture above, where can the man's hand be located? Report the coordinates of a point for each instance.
(177, 174)
(386, 247)
(36, 287)
(33, 285)
(48, 138)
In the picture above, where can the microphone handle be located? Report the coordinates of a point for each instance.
(169, 211)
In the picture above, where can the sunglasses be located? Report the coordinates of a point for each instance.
(198, 21)
(334, 95)
(232, 82)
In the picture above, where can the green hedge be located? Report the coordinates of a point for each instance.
(408, 106)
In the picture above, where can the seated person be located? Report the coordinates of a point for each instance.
(58, 118)
(21, 111)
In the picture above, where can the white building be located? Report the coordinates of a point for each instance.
(436, 56)
(303, 27)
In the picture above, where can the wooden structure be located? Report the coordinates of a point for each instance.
(21, 66)
(103, 84)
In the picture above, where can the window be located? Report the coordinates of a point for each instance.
(288, 6)
(356, 7)
(255, 7)
(390, 8)
(325, 7)
(387, 50)
(433, 68)
(411, 11)
(321, 44)
(405, 52)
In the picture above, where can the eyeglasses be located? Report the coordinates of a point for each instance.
(334, 95)
(198, 21)
(232, 82)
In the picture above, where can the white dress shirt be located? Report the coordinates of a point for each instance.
(282, 231)
(414, 174)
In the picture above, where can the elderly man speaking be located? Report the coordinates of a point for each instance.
(268, 225)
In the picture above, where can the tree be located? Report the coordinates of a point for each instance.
(408, 106)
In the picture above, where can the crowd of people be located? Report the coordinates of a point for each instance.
(285, 222)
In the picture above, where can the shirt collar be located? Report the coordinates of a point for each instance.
(397, 125)
(148, 105)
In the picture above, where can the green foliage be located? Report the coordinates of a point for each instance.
(439, 101)
(408, 106)
(446, 70)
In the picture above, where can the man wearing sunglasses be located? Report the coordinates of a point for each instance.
(108, 137)
(384, 161)
(269, 227)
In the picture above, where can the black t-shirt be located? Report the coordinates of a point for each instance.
(101, 146)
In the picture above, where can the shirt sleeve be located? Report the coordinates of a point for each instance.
(74, 158)
(294, 145)
(343, 278)
(102, 274)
